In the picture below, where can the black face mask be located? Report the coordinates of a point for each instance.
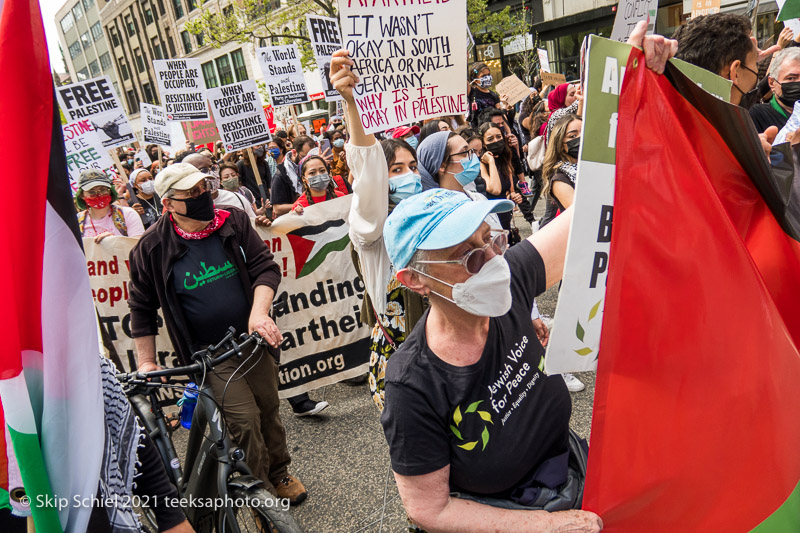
(791, 93)
(573, 146)
(497, 148)
(200, 208)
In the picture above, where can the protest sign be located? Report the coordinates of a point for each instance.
(316, 306)
(155, 128)
(201, 131)
(409, 61)
(325, 40)
(239, 115)
(96, 101)
(269, 114)
(554, 79)
(793, 24)
(513, 87)
(630, 12)
(283, 74)
(544, 61)
(84, 150)
(705, 7)
(575, 339)
(142, 156)
(182, 88)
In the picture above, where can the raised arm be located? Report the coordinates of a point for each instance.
(344, 80)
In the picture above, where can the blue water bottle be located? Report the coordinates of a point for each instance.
(187, 404)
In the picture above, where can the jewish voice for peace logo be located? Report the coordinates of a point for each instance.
(458, 418)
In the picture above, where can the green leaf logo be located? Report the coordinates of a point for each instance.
(456, 432)
(579, 331)
(458, 418)
(594, 310)
(485, 437)
(583, 351)
(468, 446)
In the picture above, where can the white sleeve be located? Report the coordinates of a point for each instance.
(370, 205)
(133, 222)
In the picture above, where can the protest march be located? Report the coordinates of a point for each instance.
(396, 265)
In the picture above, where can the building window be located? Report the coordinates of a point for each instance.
(140, 60)
(75, 49)
(123, 69)
(238, 65)
(156, 44)
(161, 10)
(149, 96)
(83, 74)
(227, 11)
(105, 61)
(148, 14)
(130, 26)
(199, 39)
(94, 68)
(67, 22)
(191, 4)
(187, 42)
(87, 4)
(77, 12)
(116, 88)
(178, 8)
(133, 102)
(210, 75)
(86, 40)
(114, 35)
(97, 31)
(171, 44)
(224, 69)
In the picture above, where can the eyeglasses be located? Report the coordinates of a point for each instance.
(194, 192)
(101, 192)
(474, 260)
(206, 170)
(465, 154)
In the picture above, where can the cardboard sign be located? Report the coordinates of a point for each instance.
(409, 59)
(325, 40)
(201, 131)
(705, 7)
(84, 150)
(513, 87)
(155, 128)
(283, 74)
(182, 88)
(96, 101)
(575, 338)
(554, 79)
(544, 60)
(239, 115)
(629, 13)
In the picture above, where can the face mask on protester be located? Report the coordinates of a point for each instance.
(497, 147)
(472, 167)
(487, 293)
(412, 141)
(790, 93)
(200, 208)
(275, 152)
(98, 202)
(338, 143)
(318, 182)
(485, 81)
(404, 186)
(573, 146)
(148, 187)
(213, 182)
(258, 152)
(231, 184)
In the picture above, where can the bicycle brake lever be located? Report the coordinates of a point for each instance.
(237, 348)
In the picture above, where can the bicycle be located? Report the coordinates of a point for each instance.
(217, 468)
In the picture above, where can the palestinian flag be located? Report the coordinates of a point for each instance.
(788, 10)
(49, 373)
(312, 244)
(696, 424)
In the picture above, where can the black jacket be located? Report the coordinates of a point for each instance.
(151, 287)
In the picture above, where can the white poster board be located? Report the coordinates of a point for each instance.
(84, 150)
(182, 88)
(629, 13)
(96, 101)
(544, 60)
(155, 128)
(283, 74)
(325, 40)
(410, 59)
(239, 115)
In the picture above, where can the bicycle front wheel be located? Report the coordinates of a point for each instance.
(257, 511)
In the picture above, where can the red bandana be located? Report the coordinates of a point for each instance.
(219, 218)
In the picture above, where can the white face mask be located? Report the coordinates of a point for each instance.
(148, 187)
(487, 293)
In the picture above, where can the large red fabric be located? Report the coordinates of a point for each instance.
(695, 425)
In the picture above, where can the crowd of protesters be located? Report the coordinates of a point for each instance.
(450, 283)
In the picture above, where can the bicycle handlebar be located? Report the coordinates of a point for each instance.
(203, 358)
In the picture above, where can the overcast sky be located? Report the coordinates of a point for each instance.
(49, 9)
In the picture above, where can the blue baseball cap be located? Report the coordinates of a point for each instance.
(433, 220)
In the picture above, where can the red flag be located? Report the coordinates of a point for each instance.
(696, 424)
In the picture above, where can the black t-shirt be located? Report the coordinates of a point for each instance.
(505, 183)
(479, 101)
(248, 178)
(494, 422)
(150, 214)
(210, 291)
(764, 116)
(563, 178)
(282, 191)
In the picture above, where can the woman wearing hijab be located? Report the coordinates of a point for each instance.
(144, 200)
(565, 99)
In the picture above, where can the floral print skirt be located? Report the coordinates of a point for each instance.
(394, 325)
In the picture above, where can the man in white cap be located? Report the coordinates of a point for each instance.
(170, 270)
